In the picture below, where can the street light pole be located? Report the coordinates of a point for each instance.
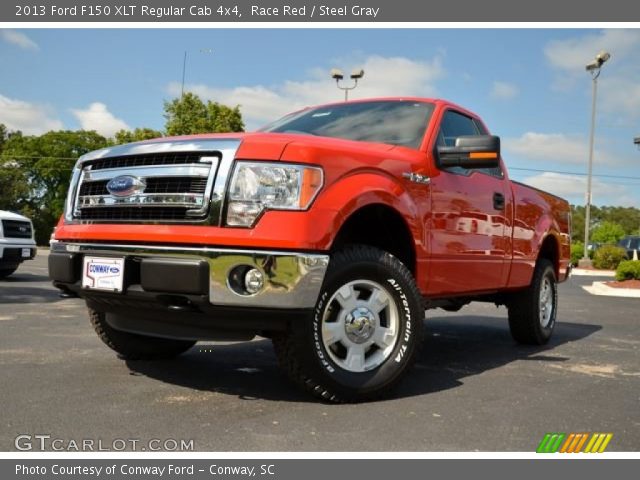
(184, 67)
(184, 70)
(337, 75)
(594, 69)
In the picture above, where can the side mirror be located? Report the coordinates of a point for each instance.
(478, 151)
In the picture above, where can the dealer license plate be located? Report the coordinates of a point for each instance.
(103, 274)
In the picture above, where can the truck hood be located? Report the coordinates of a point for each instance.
(6, 215)
(253, 145)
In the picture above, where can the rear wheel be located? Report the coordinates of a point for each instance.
(132, 346)
(365, 331)
(532, 312)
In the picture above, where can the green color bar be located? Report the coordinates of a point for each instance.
(556, 446)
(543, 444)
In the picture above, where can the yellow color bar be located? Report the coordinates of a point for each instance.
(606, 441)
(591, 442)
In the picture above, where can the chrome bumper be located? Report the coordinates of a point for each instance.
(292, 280)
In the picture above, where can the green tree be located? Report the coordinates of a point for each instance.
(4, 133)
(577, 223)
(39, 169)
(607, 232)
(189, 115)
(627, 217)
(138, 135)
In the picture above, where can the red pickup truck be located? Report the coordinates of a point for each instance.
(329, 231)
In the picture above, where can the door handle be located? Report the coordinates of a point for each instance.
(498, 201)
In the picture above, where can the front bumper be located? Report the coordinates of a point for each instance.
(292, 279)
(15, 253)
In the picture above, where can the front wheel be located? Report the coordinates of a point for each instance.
(132, 346)
(6, 271)
(365, 332)
(532, 312)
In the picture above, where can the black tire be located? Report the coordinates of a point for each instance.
(131, 346)
(530, 321)
(318, 368)
(5, 272)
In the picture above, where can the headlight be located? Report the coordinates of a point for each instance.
(257, 186)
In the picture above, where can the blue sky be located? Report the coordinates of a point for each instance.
(529, 85)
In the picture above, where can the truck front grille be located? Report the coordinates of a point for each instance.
(16, 229)
(134, 214)
(127, 161)
(173, 187)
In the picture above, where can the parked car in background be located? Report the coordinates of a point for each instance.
(631, 243)
(17, 242)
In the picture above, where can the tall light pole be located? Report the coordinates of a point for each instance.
(594, 69)
(337, 75)
(184, 67)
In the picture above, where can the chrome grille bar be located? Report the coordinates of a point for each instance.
(143, 200)
(184, 177)
(146, 172)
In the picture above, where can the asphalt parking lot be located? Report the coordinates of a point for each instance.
(472, 388)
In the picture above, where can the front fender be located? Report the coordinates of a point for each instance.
(355, 191)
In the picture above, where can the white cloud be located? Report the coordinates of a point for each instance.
(621, 95)
(574, 188)
(573, 54)
(19, 39)
(619, 86)
(384, 76)
(504, 90)
(30, 118)
(98, 117)
(555, 147)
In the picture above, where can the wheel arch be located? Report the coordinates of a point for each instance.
(550, 250)
(363, 226)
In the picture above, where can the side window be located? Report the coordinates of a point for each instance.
(454, 125)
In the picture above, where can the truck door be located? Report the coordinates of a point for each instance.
(469, 216)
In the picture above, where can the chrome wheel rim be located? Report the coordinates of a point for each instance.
(360, 326)
(546, 302)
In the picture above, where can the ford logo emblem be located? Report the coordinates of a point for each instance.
(125, 186)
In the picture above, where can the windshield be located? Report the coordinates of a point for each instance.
(394, 122)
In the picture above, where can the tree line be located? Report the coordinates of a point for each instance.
(35, 169)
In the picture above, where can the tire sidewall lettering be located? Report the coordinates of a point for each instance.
(400, 353)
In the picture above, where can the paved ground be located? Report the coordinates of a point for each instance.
(473, 388)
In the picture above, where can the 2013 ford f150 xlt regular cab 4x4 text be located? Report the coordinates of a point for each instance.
(329, 231)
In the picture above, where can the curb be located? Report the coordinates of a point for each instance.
(582, 272)
(599, 288)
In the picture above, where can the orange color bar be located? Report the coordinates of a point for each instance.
(581, 443)
(480, 155)
(576, 439)
(567, 442)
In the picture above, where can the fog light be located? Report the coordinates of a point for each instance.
(253, 281)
